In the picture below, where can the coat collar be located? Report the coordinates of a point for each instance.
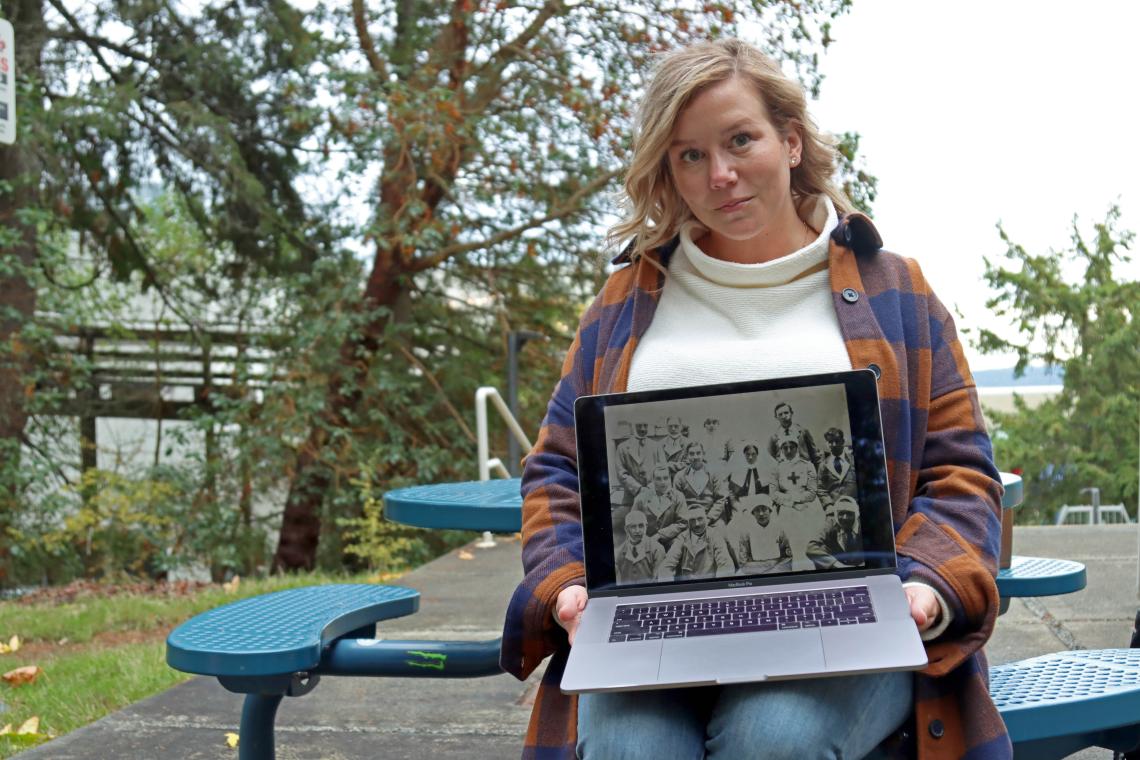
(855, 232)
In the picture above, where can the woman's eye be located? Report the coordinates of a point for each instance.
(690, 156)
(740, 140)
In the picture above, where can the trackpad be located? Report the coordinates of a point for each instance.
(741, 657)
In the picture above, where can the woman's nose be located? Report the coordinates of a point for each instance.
(721, 171)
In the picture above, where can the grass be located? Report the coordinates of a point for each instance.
(81, 687)
(83, 619)
(100, 654)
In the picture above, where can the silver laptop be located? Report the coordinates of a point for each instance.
(737, 533)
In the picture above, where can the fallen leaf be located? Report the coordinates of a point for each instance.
(231, 740)
(464, 554)
(14, 644)
(30, 726)
(21, 676)
(6, 730)
(231, 586)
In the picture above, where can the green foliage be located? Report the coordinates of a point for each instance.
(861, 186)
(387, 547)
(1072, 310)
(374, 197)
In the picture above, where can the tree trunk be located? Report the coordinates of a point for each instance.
(18, 173)
(312, 477)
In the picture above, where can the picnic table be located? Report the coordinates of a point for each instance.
(281, 644)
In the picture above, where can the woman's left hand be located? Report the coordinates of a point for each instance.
(924, 606)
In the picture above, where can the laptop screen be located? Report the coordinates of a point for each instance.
(747, 482)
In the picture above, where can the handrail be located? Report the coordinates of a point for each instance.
(486, 461)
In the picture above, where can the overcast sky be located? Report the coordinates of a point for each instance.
(975, 112)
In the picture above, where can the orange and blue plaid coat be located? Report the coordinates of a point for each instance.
(944, 487)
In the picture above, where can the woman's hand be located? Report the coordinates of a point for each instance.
(568, 609)
(924, 607)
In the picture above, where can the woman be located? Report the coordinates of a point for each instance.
(746, 263)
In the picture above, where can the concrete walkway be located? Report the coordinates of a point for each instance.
(486, 718)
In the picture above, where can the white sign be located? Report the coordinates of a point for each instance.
(7, 84)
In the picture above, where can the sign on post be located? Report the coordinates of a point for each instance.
(7, 84)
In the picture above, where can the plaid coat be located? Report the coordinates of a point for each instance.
(944, 487)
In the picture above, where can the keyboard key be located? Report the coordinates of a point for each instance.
(757, 628)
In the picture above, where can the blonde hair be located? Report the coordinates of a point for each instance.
(655, 210)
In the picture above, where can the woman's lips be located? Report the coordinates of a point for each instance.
(733, 205)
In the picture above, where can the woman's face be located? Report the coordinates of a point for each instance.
(732, 168)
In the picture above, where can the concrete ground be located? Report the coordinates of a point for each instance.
(486, 718)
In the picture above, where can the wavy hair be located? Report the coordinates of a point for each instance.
(654, 210)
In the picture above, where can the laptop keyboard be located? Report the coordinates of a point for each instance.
(743, 614)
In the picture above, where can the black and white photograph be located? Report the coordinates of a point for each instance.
(744, 484)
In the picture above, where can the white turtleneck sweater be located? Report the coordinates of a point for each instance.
(719, 321)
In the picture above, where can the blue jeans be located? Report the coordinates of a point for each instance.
(840, 717)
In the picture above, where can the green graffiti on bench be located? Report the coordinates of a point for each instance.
(435, 660)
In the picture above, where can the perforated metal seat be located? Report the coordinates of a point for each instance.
(282, 632)
(1056, 704)
(1040, 576)
(494, 505)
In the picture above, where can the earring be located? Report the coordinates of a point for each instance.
(795, 160)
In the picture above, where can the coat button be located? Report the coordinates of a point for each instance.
(875, 369)
(936, 728)
(850, 295)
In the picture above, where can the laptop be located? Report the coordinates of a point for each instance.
(737, 533)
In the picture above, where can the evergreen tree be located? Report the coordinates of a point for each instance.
(1072, 310)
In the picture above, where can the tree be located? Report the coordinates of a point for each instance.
(462, 151)
(1072, 310)
(19, 168)
(491, 129)
(118, 100)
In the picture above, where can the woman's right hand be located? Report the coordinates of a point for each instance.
(568, 609)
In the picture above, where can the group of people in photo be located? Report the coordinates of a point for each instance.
(706, 505)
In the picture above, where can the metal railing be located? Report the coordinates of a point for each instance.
(483, 441)
(1095, 514)
(486, 461)
(1095, 511)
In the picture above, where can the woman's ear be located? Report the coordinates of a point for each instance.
(794, 144)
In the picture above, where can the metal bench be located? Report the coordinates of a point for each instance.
(280, 644)
(1058, 704)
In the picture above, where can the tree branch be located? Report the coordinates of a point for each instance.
(366, 44)
(439, 388)
(509, 52)
(571, 206)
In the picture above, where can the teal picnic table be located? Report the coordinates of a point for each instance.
(496, 506)
(1020, 576)
(280, 644)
